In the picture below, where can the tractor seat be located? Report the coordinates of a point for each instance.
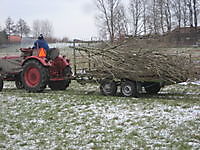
(52, 53)
(26, 52)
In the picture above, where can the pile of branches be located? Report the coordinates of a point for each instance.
(138, 64)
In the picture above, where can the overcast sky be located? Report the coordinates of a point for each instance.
(70, 18)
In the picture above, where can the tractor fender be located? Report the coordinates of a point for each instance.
(64, 61)
(43, 61)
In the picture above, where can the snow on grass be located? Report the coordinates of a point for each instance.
(186, 88)
(192, 83)
(80, 118)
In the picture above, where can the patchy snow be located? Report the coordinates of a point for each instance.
(76, 119)
(192, 83)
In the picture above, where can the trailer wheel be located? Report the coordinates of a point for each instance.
(108, 87)
(1, 84)
(152, 87)
(129, 88)
(59, 85)
(34, 76)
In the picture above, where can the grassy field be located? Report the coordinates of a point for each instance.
(80, 118)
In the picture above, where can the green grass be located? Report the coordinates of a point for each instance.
(81, 118)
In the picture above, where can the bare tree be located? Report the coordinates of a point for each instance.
(121, 25)
(167, 14)
(160, 6)
(108, 10)
(156, 18)
(10, 26)
(176, 5)
(42, 27)
(136, 9)
(22, 28)
(195, 13)
(36, 29)
(147, 16)
(46, 28)
(190, 12)
(144, 3)
(185, 13)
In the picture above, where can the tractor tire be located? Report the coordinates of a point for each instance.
(1, 84)
(67, 71)
(129, 89)
(62, 84)
(59, 85)
(34, 76)
(19, 84)
(152, 87)
(108, 87)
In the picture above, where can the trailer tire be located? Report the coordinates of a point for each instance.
(129, 88)
(34, 76)
(152, 87)
(59, 85)
(1, 84)
(108, 87)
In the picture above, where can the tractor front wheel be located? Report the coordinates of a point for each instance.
(1, 84)
(62, 84)
(19, 84)
(59, 85)
(34, 76)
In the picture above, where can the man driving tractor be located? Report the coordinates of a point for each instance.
(42, 45)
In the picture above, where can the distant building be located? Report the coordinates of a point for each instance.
(14, 38)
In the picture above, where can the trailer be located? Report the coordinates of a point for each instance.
(84, 72)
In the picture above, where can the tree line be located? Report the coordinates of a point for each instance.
(22, 29)
(19, 28)
(145, 17)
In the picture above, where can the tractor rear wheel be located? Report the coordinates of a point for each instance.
(129, 88)
(152, 87)
(59, 85)
(1, 84)
(108, 87)
(34, 76)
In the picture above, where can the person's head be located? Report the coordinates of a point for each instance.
(41, 37)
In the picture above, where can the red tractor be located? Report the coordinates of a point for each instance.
(34, 73)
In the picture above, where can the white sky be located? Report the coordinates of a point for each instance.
(70, 18)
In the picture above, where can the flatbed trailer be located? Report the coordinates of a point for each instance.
(84, 69)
